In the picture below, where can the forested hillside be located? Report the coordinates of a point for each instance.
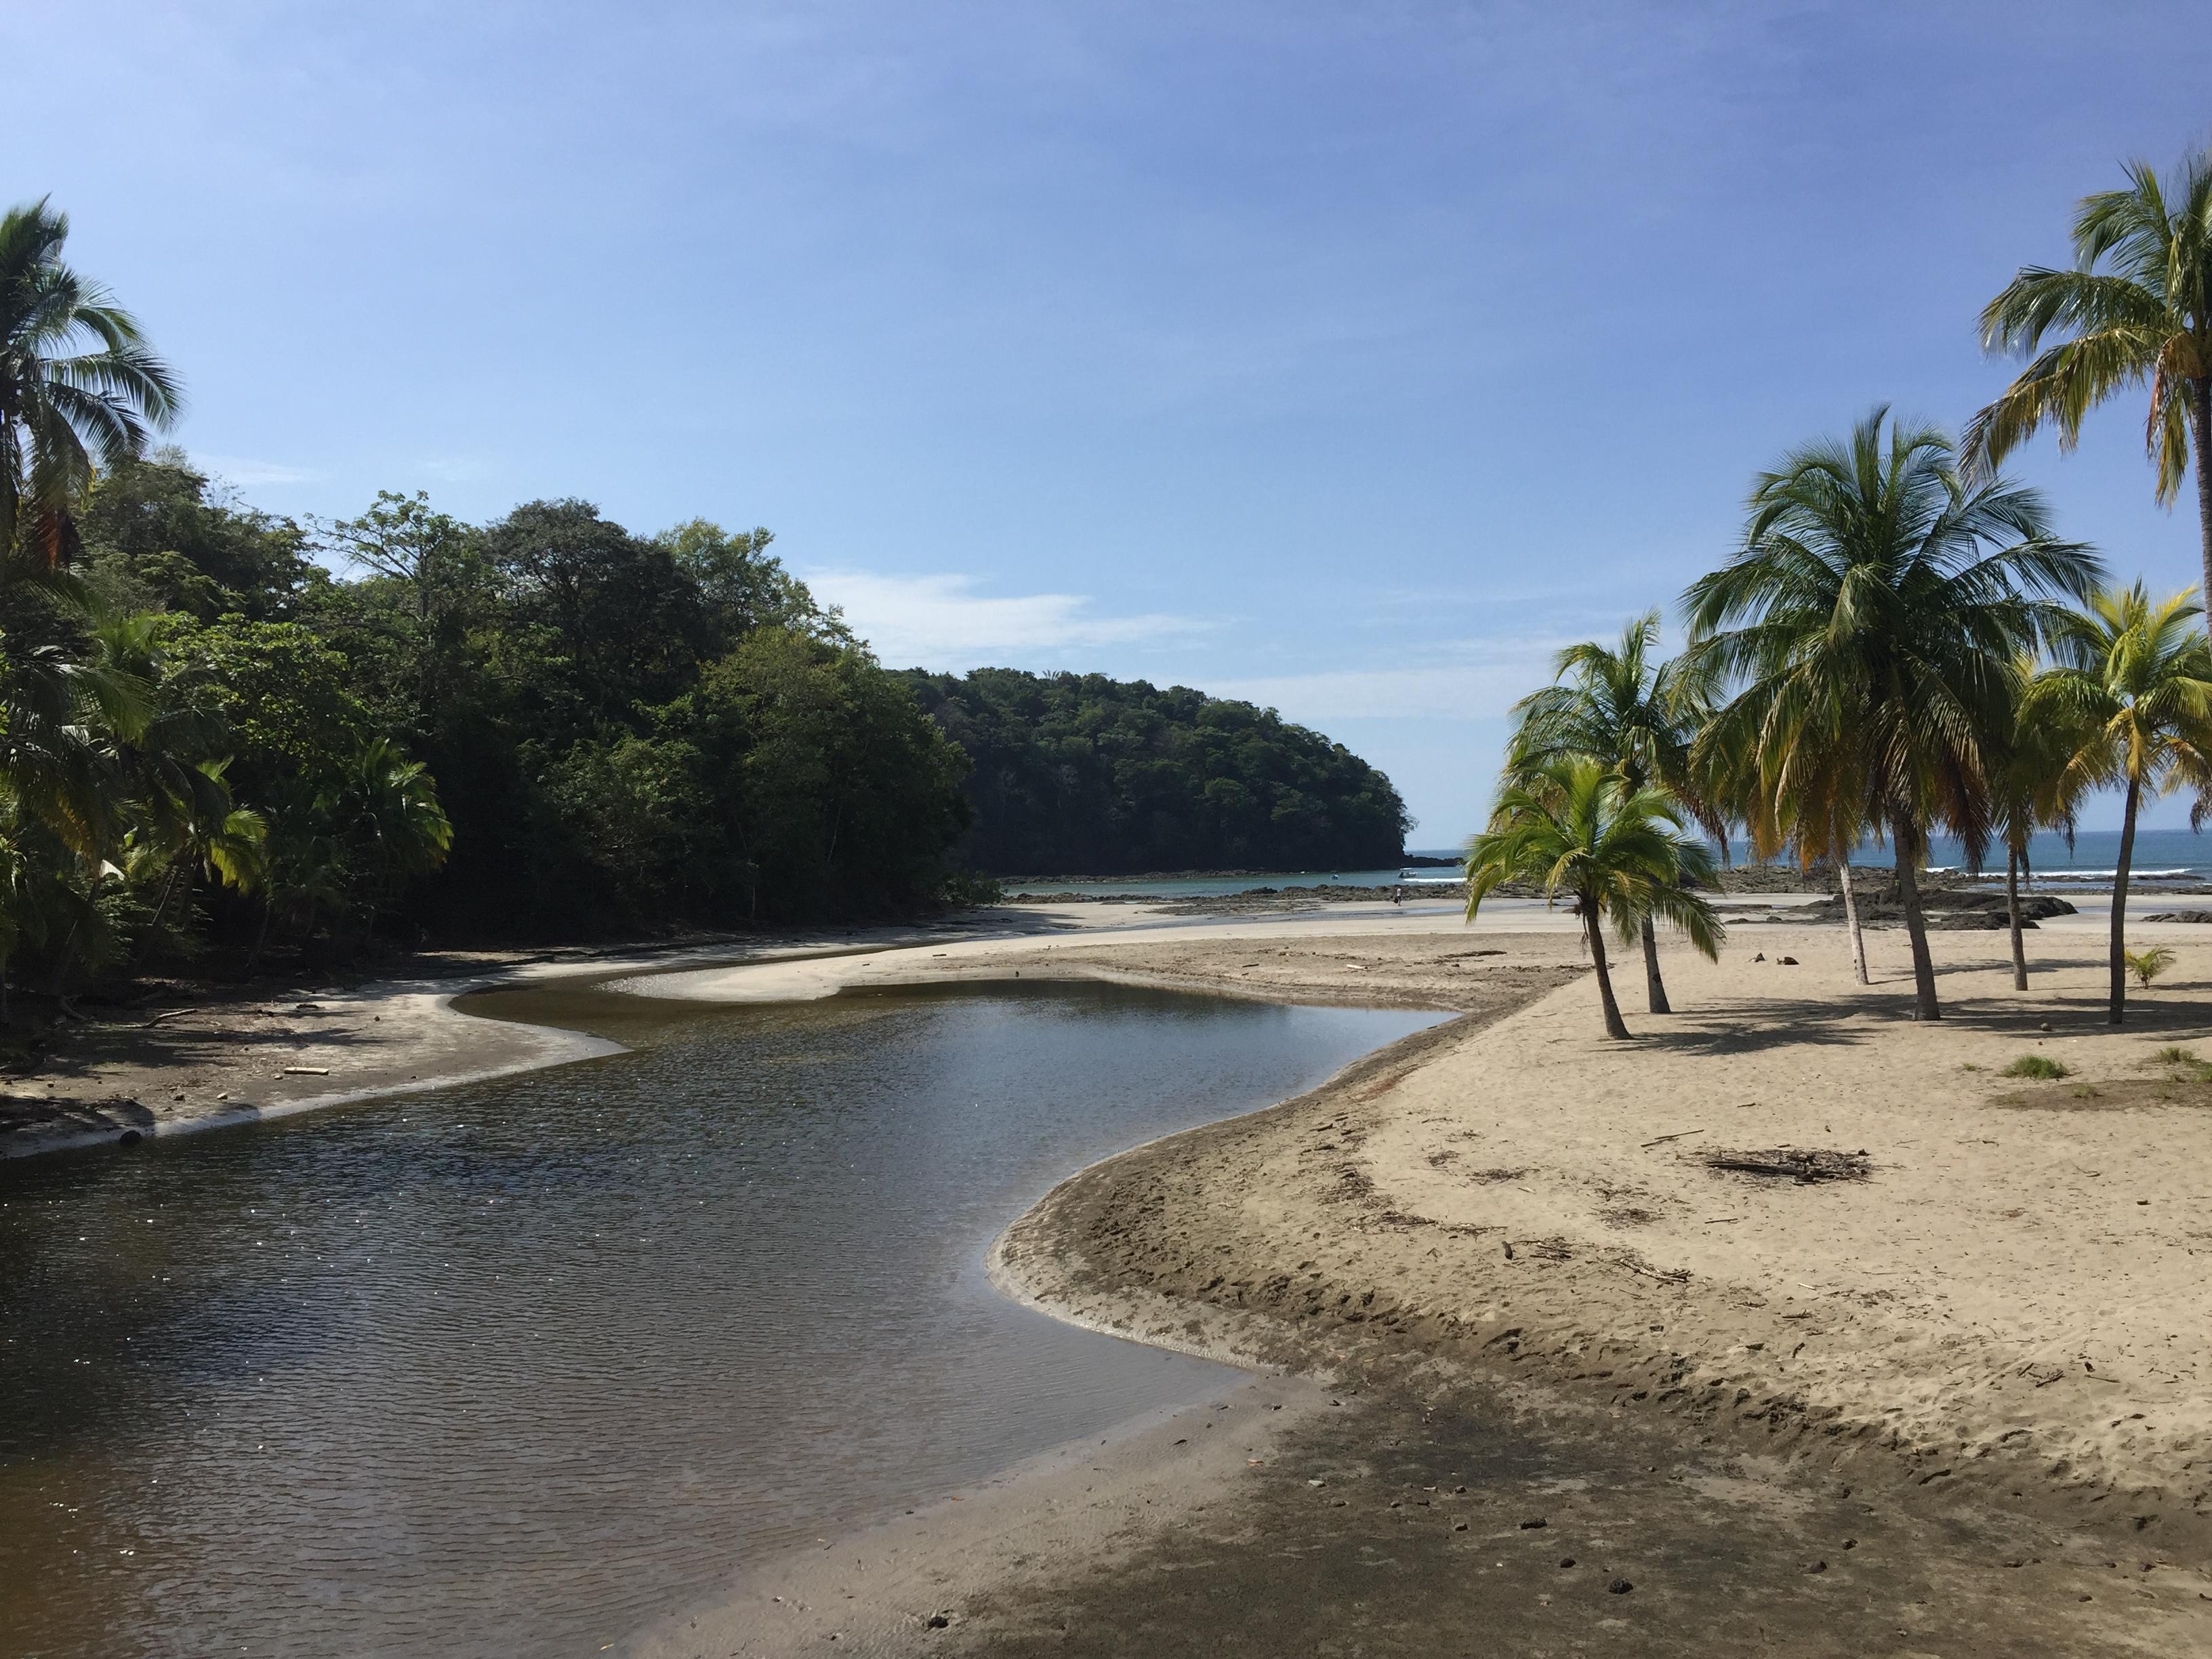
(544, 726)
(1081, 775)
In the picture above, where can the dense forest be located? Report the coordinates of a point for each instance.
(223, 729)
(1076, 774)
(608, 730)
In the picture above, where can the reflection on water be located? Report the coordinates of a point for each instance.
(514, 1367)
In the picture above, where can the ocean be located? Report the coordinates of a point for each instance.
(2163, 858)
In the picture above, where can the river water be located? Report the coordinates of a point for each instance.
(512, 1368)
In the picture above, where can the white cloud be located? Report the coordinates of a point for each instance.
(942, 622)
(246, 472)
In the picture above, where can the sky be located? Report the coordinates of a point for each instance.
(1349, 358)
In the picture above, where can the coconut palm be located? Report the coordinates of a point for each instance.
(2133, 681)
(77, 386)
(1869, 623)
(1822, 818)
(1573, 827)
(1623, 708)
(2032, 788)
(2136, 308)
(386, 810)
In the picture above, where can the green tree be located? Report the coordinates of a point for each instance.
(1573, 827)
(2136, 308)
(1875, 610)
(1078, 774)
(77, 385)
(2134, 680)
(158, 537)
(386, 811)
(1626, 709)
(2032, 787)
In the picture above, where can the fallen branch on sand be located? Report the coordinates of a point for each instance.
(174, 1013)
(1678, 1135)
(1802, 1165)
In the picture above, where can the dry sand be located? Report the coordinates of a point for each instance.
(1992, 1350)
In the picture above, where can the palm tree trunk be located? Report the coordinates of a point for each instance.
(1655, 988)
(1851, 921)
(2200, 420)
(2118, 1011)
(1906, 839)
(2012, 906)
(1614, 1025)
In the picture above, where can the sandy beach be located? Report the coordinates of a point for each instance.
(1992, 1343)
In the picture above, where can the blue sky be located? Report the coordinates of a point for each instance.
(1349, 358)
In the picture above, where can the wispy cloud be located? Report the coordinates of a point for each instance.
(943, 622)
(245, 472)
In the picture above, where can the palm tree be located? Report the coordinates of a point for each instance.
(1571, 826)
(1870, 621)
(386, 808)
(2145, 316)
(77, 384)
(2031, 788)
(2134, 679)
(1822, 816)
(1631, 712)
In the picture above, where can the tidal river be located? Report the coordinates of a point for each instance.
(512, 1368)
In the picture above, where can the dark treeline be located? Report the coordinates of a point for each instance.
(621, 730)
(1081, 774)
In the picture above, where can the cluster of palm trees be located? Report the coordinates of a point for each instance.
(115, 802)
(1901, 646)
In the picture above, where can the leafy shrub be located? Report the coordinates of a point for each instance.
(2036, 1066)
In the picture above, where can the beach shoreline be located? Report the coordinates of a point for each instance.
(1492, 1217)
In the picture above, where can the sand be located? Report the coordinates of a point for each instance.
(1996, 1342)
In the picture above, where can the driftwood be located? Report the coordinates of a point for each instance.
(1802, 1165)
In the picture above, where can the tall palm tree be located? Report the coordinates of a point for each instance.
(2032, 787)
(2136, 307)
(1822, 816)
(2134, 679)
(1631, 711)
(1873, 614)
(77, 386)
(1571, 826)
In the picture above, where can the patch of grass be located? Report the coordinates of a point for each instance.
(2175, 1056)
(2038, 1066)
(2083, 1091)
(1969, 1065)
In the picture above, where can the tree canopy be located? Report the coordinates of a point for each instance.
(1080, 774)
